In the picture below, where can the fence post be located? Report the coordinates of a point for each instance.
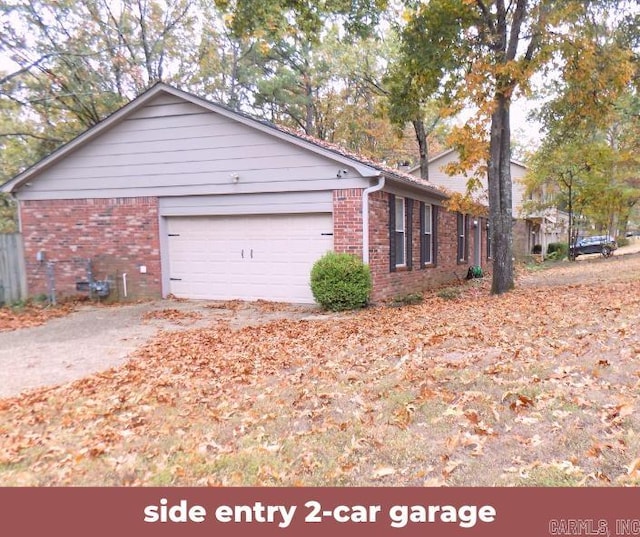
(12, 268)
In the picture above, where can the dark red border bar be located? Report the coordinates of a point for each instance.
(121, 511)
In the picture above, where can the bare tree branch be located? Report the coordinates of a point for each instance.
(24, 69)
(516, 26)
(30, 135)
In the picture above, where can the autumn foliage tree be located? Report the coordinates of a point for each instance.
(485, 53)
(588, 161)
(563, 175)
(481, 52)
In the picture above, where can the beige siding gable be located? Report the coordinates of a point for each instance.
(458, 183)
(518, 173)
(171, 146)
(455, 183)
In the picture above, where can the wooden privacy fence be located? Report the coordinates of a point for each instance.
(13, 281)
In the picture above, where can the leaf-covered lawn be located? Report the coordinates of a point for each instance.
(538, 387)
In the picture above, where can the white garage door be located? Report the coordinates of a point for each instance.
(252, 257)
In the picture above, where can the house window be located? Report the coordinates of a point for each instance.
(463, 242)
(489, 245)
(400, 233)
(427, 234)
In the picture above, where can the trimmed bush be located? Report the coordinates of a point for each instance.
(557, 250)
(341, 282)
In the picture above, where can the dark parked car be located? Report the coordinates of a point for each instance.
(600, 244)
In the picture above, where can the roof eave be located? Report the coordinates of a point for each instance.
(418, 184)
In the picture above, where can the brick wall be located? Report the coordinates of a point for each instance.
(347, 221)
(118, 235)
(388, 285)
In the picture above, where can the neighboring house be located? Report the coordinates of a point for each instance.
(173, 195)
(529, 229)
(541, 227)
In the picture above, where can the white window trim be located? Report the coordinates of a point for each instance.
(401, 228)
(462, 245)
(428, 223)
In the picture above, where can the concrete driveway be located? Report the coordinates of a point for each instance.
(95, 338)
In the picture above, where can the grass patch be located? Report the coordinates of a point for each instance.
(407, 300)
(547, 264)
(562, 474)
(449, 293)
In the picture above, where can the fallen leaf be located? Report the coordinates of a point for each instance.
(382, 471)
(634, 468)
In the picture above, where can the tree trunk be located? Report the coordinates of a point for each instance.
(309, 105)
(500, 196)
(234, 101)
(570, 239)
(423, 148)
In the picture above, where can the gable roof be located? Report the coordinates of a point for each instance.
(446, 152)
(366, 167)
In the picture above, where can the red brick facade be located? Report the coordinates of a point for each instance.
(388, 284)
(347, 221)
(119, 235)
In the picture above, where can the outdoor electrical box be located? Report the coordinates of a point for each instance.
(40, 256)
(96, 288)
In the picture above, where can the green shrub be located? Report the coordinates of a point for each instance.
(557, 250)
(341, 282)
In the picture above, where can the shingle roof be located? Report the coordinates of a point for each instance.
(388, 171)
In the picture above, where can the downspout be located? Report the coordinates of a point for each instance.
(365, 217)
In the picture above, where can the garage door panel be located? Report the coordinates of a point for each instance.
(246, 257)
